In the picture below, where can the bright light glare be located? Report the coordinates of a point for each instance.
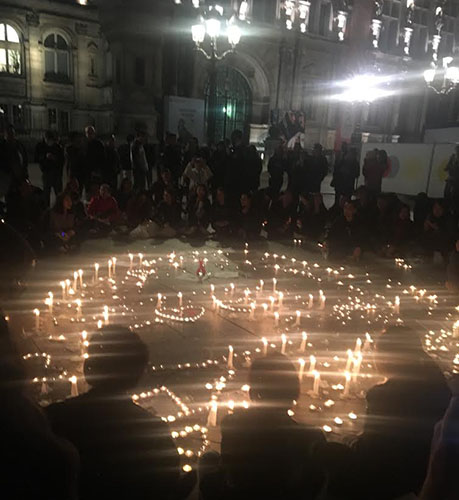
(234, 34)
(198, 33)
(213, 27)
(452, 74)
(362, 88)
(429, 75)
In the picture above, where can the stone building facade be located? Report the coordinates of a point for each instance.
(113, 63)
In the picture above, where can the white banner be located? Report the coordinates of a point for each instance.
(184, 117)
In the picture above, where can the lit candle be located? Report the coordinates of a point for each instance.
(180, 299)
(50, 301)
(212, 289)
(358, 346)
(37, 319)
(246, 295)
(265, 308)
(252, 311)
(140, 259)
(63, 289)
(96, 272)
(322, 300)
(114, 265)
(311, 301)
(67, 286)
(262, 283)
(347, 384)
(312, 363)
(357, 363)
(230, 406)
(276, 269)
(272, 300)
(75, 281)
(276, 319)
(281, 299)
(159, 302)
(230, 357)
(232, 289)
(303, 342)
(109, 268)
(84, 340)
(80, 276)
(74, 387)
(456, 330)
(265, 346)
(397, 305)
(78, 304)
(274, 284)
(302, 362)
(106, 315)
(99, 324)
(367, 343)
(298, 318)
(350, 358)
(212, 417)
(316, 387)
(284, 343)
(131, 261)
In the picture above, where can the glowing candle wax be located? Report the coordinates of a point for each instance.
(80, 276)
(140, 259)
(37, 319)
(298, 318)
(284, 343)
(49, 302)
(265, 346)
(96, 272)
(276, 319)
(456, 330)
(180, 299)
(311, 301)
(230, 357)
(316, 387)
(265, 308)
(347, 384)
(131, 261)
(74, 387)
(62, 283)
(75, 281)
(302, 362)
(357, 364)
(312, 363)
(358, 346)
(78, 304)
(350, 358)
(114, 265)
(246, 296)
(303, 341)
(274, 284)
(232, 288)
(397, 305)
(261, 286)
(212, 417)
(106, 315)
(252, 311)
(281, 299)
(159, 301)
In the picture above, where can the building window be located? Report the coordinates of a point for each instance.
(57, 58)
(139, 71)
(58, 120)
(10, 50)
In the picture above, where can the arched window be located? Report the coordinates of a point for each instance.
(233, 103)
(57, 58)
(10, 50)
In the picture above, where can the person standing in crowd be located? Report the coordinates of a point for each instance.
(125, 451)
(298, 161)
(139, 162)
(218, 165)
(94, 157)
(50, 157)
(125, 154)
(111, 166)
(236, 166)
(451, 194)
(75, 161)
(171, 157)
(247, 221)
(197, 172)
(265, 453)
(276, 169)
(345, 174)
(373, 170)
(253, 169)
(13, 158)
(317, 169)
(221, 217)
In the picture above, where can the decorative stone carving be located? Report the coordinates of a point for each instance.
(33, 19)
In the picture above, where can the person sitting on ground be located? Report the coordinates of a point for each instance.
(248, 222)
(367, 211)
(165, 181)
(197, 172)
(265, 453)
(311, 216)
(103, 209)
(345, 237)
(199, 213)
(401, 234)
(78, 209)
(281, 217)
(125, 451)
(222, 219)
(438, 231)
(384, 222)
(125, 193)
(139, 209)
(61, 227)
(392, 453)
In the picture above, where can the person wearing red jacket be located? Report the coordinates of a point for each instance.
(103, 208)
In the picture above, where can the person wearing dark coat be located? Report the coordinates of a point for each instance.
(265, 453)
(253, 171)
(276, 169)
(125, 451)
(94, 155)
(317, 169)
(50, 157)
(125, 155)
(374, 168)
(171, 157)
(111, 167)
(218, 164)
(282, 217)
(391, 455)
(13, 159)
(345, 174)
(439, 231)
(247, 222)
(222, 218)
(236, 180)
(75, 160)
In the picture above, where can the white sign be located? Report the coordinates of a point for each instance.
(184, 117)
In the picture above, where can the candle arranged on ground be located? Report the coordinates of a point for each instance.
(302, 363)
(230, 357)
(96, 272)
(304, 339)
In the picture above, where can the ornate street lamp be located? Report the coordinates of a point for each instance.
(210, 30)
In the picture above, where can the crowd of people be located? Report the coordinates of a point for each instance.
(138, 190)
(102, 445)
